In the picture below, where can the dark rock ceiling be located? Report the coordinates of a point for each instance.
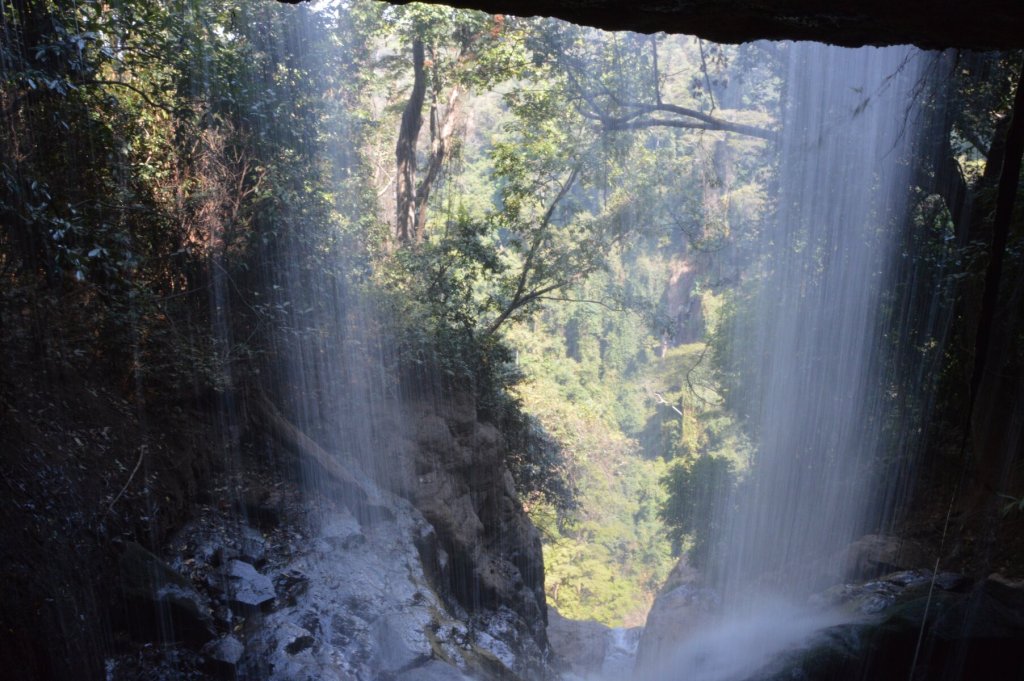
(976, 24)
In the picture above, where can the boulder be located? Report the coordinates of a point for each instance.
(907, 629)
(592, 650)
(620, 653)
(580, 644)
(399, 644)
(486, 552)
(247, 589)
(878, 554)
(675, 614)
(224, 655)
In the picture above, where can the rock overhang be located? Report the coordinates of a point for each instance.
(977, 25)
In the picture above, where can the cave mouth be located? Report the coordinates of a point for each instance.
(371, 335)
(981, 25)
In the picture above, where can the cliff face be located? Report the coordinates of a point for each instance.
(422, 564)
(425, 568)
(136, 547)
(489, 551)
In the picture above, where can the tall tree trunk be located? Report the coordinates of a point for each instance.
(442, 129)
(405, 150)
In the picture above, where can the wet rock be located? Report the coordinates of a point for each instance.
(620, 653)
(343, 532)
(673, 616)
(941, 633)
(224, 655)
(581, 644)
(400, 643)
(289, 585)
(433, 434)
(1006, 590)
(866, 599)
(434, 670)
(872, 597)
(290, 652)
(158, 602)
(952, 581)
(438, 578)
(214, 541)
(299, 643)
(371, 611)
(878, 554)
(252, 547)
(907, 578)
(482, 551)
(504, 642)
(247, 589)
(591, 650)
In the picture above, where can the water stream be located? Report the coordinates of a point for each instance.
(816, 341)
(816, 338)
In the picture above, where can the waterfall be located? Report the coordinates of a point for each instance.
(815, 339)
(814, 345)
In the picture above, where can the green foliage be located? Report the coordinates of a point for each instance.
(697, 503)
(606, 558)
(157, 155)
(433, 300)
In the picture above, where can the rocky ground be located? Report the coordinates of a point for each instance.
(156, 534)
(905, 623)
(282, 589)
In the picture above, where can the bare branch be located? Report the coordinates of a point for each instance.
(661, 400)
(687, 118)
(145, 97)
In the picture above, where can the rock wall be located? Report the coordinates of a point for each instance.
(417, 564)
(590, 650)
(489, 551)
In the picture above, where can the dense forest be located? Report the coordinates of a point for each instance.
(236, 233)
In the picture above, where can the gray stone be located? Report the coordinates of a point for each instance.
(224, 655)
(976, 633)
(1006, 590)
(252, 546)
(580, 644)
(343, 532)
(674, 616)
(247, 588)
(877, 554)
(434, 670)
(399, 643)
(620, 654)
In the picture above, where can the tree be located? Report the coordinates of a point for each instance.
(699, 492)
(618, 82)
(453, 51)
